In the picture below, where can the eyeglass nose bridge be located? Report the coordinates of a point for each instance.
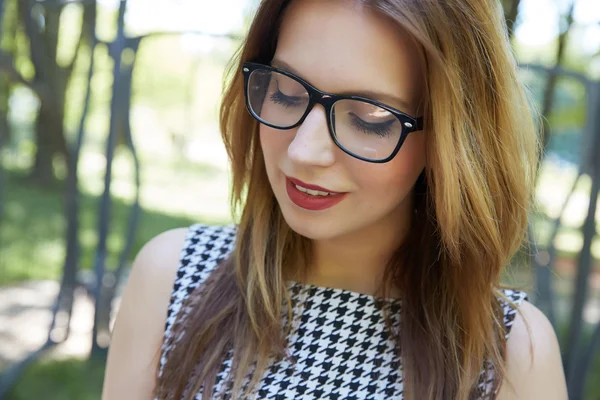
(318, 97)
(325, 99)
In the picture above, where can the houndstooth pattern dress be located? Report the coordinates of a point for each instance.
(338, 340)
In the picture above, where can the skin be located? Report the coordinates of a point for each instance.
(321, 40)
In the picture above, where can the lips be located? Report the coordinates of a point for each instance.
(308, 201)
(311, 187)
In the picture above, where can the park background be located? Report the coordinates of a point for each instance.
(109, 136)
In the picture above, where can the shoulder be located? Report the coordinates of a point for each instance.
(159, 256)
(154, 269)
(137, 335)
(533, 361)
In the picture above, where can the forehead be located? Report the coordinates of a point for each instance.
(341, 47)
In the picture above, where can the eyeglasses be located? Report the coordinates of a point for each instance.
(363, 128)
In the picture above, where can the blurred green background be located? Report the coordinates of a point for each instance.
(177, 82)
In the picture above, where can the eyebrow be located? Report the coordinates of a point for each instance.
(385, 98)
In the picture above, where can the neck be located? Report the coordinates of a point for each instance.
(357, 261)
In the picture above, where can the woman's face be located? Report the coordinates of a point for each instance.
(341, 48)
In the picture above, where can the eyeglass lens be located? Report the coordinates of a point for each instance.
(361, 128)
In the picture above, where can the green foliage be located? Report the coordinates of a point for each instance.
(170, 78)
(60, 380)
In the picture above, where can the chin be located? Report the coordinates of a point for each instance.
(314, 227)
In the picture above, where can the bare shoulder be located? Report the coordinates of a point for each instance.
(137, 336)
(160, 256)
(533, 360)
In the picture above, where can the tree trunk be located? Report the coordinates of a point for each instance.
(4, 136)
(8, 29)
(49, 132)
(548, 101)
(51, 142)
(4, 127)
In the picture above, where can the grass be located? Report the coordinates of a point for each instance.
(593, 386)
(60, 380)
(32, 230)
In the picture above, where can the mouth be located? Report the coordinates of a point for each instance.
(313, 190)
(312, 197)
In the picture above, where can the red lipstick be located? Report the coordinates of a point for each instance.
(308, 201)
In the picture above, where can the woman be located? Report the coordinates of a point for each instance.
(383, 156)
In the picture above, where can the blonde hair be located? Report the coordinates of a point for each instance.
(473, 205)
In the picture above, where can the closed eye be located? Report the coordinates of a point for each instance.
(380, 128)
(286, 101)
(278, 97)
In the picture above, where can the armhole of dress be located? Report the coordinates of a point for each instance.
(488, 388)
(510, 310)
(204, 248)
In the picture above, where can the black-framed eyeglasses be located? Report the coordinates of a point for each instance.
(363, 128)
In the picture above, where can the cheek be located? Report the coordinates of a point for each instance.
(274, 144)
(396, 178)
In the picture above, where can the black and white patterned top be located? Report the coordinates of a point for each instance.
(338, 337)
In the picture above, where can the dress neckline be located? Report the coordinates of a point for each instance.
(340, 291)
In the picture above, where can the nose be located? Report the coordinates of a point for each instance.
(312, 144)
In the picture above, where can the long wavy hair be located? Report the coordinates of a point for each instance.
(472, 205)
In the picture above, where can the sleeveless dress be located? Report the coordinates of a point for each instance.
(338, 337)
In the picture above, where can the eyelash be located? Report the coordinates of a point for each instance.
(381, 129)
(282, 99)
(287, 101)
